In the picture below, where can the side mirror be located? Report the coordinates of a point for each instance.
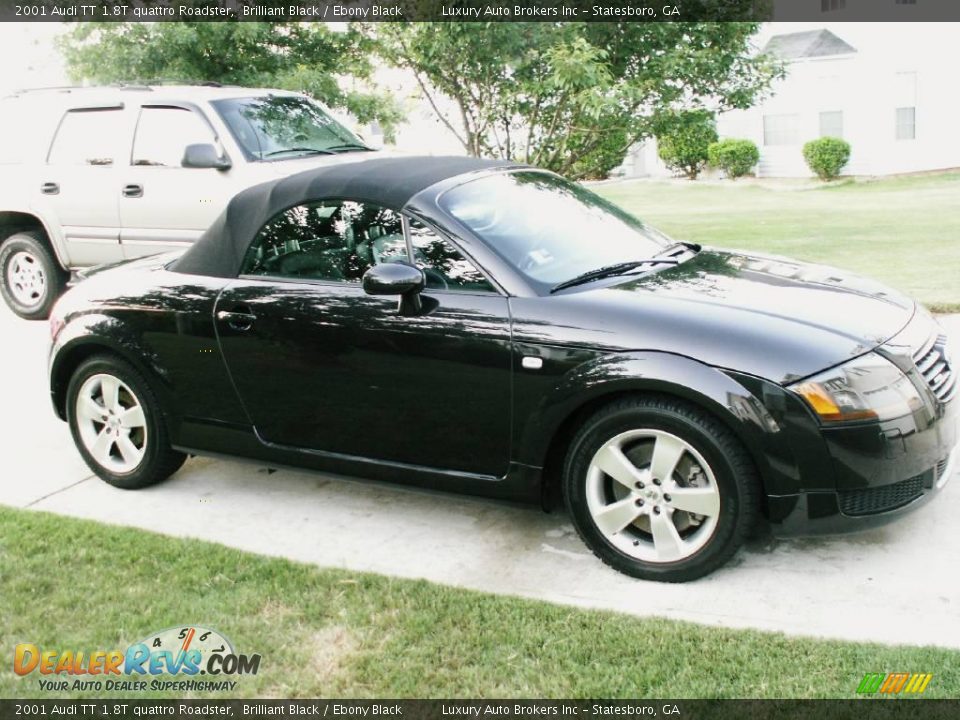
(206, 156)
(393, 279)
(397, 279)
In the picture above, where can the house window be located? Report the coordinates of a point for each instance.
(829, 5)
(831, 124)
(906, 123)
(781, 129)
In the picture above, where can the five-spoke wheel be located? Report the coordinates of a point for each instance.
(653, 495)
(660, 489)
(117, 425)
(111, 423)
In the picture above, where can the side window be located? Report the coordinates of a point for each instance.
(445, 267)
(163, 133)
(87, 137)
(332, 240)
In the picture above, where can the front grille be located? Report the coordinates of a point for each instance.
(942, 467)
(881, 499)
(932, 364)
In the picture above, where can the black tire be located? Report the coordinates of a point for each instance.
(159, 461)
(735, 477)
(31, 244)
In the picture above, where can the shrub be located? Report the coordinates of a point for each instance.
(827, 156)
(735, 157)
(683, 139)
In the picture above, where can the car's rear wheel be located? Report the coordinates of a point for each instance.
(659, 489)
(31, 279)
(117, 424)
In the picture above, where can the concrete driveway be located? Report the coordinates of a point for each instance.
(896, 585)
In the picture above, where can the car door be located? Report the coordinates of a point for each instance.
(79, 185)
(163, 205)
(321, 365)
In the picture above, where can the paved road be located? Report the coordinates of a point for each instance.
(896, 585)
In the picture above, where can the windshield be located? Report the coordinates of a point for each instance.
(549, 228)
(279, 126)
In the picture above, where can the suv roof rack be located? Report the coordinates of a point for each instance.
(75, 88)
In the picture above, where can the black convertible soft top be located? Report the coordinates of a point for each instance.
(390, 182)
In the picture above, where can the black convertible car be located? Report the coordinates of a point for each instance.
(490, 328)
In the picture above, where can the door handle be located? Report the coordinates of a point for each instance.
(240, 318)
(133, 191)
(50, 188)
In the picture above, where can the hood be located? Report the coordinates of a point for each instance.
(768, 316)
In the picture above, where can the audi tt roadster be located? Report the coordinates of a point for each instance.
(490, 328)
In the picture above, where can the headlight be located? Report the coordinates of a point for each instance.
(868, 388)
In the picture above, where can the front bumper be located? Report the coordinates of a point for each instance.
(859, 476)
(838, 513)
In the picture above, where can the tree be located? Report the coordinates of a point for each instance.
(574, 97)
(684, 140)
(306, 57)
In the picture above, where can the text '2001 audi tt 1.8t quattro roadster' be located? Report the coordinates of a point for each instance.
(494, 329)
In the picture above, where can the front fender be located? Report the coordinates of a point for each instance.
(587, 384)
(86, 335)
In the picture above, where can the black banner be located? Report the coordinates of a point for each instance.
(863, 709)
(478, 10)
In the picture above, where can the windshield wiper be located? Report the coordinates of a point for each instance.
(349, 146)
(611, 270)
(301, 150)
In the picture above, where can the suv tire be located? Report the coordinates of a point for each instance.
(31, 279)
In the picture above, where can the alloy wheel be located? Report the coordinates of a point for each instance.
(111, 423)
(652, 495)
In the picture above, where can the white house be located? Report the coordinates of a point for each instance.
(886, 88)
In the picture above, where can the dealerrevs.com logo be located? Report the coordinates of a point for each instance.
(171, 659)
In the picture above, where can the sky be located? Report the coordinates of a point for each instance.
(28, 56)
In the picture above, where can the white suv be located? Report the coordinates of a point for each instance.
(98, 175)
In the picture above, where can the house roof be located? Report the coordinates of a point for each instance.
(810, 44)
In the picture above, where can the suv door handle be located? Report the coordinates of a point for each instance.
(50, 189)
(240, 318)
(133, 191)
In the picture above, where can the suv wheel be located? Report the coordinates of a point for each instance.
(659, 489)
(32, 280)
(117, 425)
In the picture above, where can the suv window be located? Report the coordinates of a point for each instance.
(163, 134)
(282, 127)
(334, 240)
(87, 137)
(445, 267)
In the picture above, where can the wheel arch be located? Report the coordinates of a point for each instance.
(655, 373)
(15, 221)
(70, 352)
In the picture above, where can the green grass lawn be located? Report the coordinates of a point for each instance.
(903, 231)
(71, 584)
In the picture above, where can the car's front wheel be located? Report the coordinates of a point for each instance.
(31, 279)
(117, 425)
(659, 489)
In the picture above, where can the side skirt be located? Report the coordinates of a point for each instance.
(522, 483)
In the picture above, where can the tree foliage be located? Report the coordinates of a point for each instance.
(574, 97)
(306, 57)
(736, 157)
(684, 139)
